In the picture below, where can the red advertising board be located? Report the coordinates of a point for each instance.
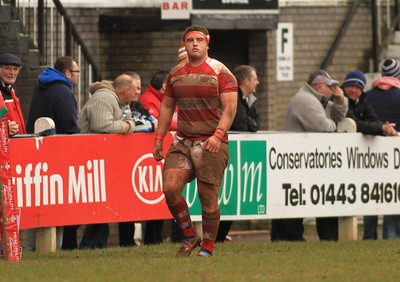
(9, 232)
(75, 179)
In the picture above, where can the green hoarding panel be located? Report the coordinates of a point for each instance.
(243, 189)
(253, 179)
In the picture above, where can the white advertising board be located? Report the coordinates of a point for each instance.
(332, 174)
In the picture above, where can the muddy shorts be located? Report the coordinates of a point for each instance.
(188, 154)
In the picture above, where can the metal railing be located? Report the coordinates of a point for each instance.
(386, 15)
(340, 35)
(385, 20)
(54, 35)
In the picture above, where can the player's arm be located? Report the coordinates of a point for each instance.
(164, 121)
(166, 113)
(228, 104)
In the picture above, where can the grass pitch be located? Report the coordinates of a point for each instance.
(252, 261)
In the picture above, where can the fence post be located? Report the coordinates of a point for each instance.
(347, 224)
(348, 228)
(46, 237)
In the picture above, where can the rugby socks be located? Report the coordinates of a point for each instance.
(210, 229)
(180, 212)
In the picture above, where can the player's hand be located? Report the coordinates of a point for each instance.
(157, 151)
(13, 127)
(212, 144)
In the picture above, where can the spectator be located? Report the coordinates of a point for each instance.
(246, 118)
(107, 111)
(10, 65)
(384, 98)
(139, 112)
(151, 100)
(312, 110)
(126, 230)
(360, 110)
(206, 93)
(136, 108)
(53, 98)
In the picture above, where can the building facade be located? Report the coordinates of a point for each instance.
(131, 35)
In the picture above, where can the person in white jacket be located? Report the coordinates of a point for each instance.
(317, 107)
(107, 111)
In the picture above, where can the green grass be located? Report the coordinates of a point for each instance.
(284, 261)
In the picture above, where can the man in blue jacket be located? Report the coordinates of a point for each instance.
(53, 98)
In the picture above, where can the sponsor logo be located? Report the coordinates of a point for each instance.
(36, 186)
(147, 179)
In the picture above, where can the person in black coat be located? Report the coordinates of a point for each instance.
(363, 113)
(360, 110)
(246, 119)
(384, 98)
(53, 98)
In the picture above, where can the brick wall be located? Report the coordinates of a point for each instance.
(315, 29)
(258, 57)
(12, 41)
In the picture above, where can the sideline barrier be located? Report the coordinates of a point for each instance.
(9, 214)
(80, 179)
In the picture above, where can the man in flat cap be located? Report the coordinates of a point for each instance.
(317, 107)
(10, 66)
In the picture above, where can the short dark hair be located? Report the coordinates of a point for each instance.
(194, 28)
(158, 79)
(242, 72)
(63, 63)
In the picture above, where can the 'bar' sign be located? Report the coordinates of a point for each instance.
(175, 9)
